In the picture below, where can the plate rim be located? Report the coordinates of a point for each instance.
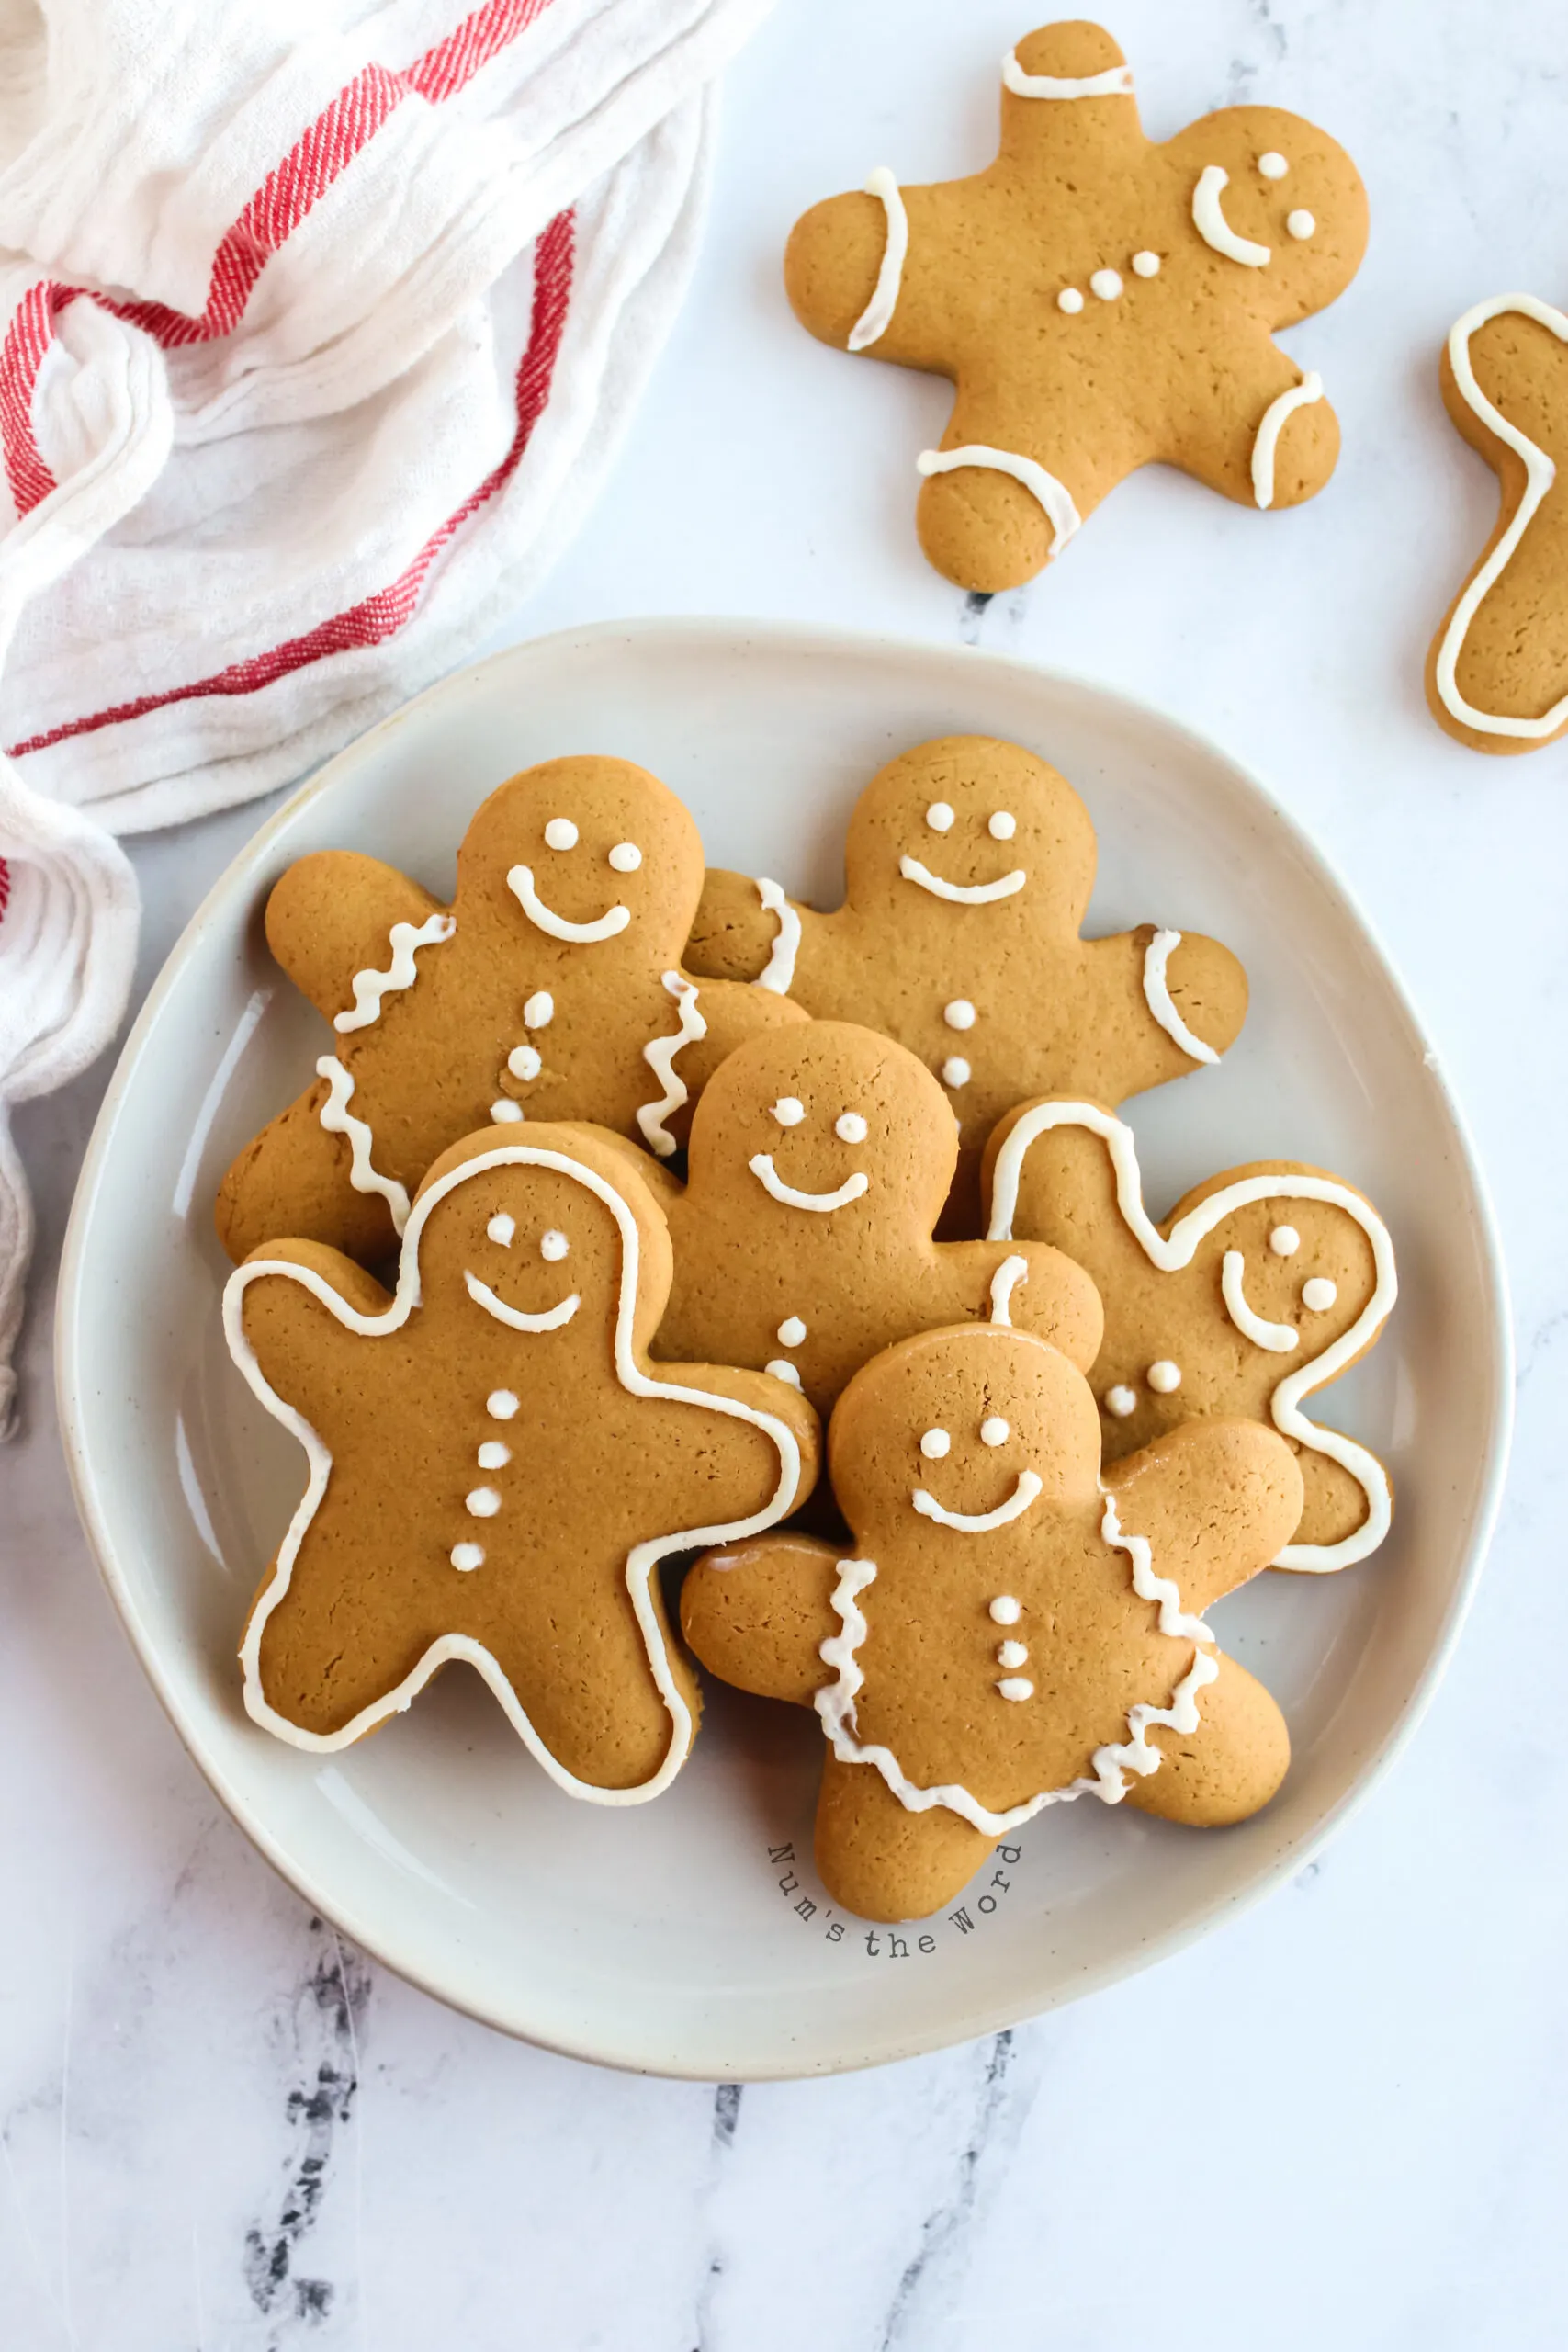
(729, 634)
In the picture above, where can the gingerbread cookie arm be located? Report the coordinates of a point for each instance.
(297, 1177)
(757, 1614)
(1167, 1494)
(735, 932)
(880, 1859)
(761, 1452)
(1036, 1288)
(348, 930)
(1183, 998)
(1229, 1766)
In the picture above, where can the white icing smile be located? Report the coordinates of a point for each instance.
(980, 1522)
(1278, 1337)
(551, 1319)
(767, 1175)
(1209, 219)
(520, 882)
(962, 894)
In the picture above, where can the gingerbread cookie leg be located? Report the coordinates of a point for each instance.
(1228, 1767)
(997, 502)
(882, 1860)
(1268, 438)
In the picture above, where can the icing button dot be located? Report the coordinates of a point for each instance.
(959, 1015)
(626, 857)
(994, 1430)
(539, 1010)
(789, 1111)
(560, 833)
(1120, 1401)
(792, 1330)
(502, 1228)
(1300, 224)
(468, 1555)
(1320, 1293)
(1001, 825)
(1164, 1376)
(1272, 166)
(501, 1403)
(1070, 301)
(1146, 265)
(553, 1245)
(1106, 283)
(955, 1072)
(1011, 1654)
(849, 1127)
(939, 817)
(1284, 1242)
(1015, 1687)
(482, 1502)
(505, 1113)
(935, 1444)
(525, 1062)
(782, 1371)
(1005, 1610)
(493, 1454)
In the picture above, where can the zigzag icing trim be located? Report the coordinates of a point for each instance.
(339, 1120)
(369, 988)
(660, 1055)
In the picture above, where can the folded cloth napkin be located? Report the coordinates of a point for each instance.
(318, 327)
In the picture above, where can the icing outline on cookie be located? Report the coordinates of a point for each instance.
(1172, 1254)
(1209, 219)
(520, 882)
(641, 1560)
(1162, 1004)
(660, 1055)
(405, 939)
(339, 1120)
(1116, 82)
(877, 316)
(778, 973)
(1054, 497)
(1539, 474)
(1004, 1281)
(1302, 395)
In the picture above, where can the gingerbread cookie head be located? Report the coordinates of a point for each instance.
(495, 1470)
(1265, 1284)
(1101, 301)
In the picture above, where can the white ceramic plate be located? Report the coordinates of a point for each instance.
(691, 1937)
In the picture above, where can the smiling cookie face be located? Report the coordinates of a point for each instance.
(978, 830)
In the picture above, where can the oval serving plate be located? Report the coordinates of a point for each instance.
(690, 1937)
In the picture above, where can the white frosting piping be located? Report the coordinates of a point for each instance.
(1170, 1254)
(1282, 1339)
(778, 973)
(1539, 474)
(552, 1318)
(1004, 1281)
(767, 1175)
(1209, 219)
(520, 882)
(339, 1120)
(1302, 395)
(1053, 495)
(405, 940)
(980, 1522)
(641, 1560)
(1116, 82)
(835, 1703)
(1162, 1004)
(660, 1055)
(961, 894)
(877, 316)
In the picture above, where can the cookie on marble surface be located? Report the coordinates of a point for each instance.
(1010, 1633)
(821, 1158)
(1497, 673)
(552, 989)
(1263, 1285)
(496, 1470)
(968, 865)
(1100, 303)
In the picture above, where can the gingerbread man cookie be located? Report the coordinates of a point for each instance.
(1099, 302)
(552, 989)
(1011, 1634)
(968, 865)
(1497, 674)
(1262, 1285)
(495, 1470)
(821, 1158)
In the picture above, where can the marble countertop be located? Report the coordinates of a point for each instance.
(1340, 2119)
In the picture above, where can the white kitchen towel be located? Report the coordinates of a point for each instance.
(318, 327)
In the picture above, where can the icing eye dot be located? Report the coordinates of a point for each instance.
(939, 817)
(1164, 1376)
(483, 1502)
(1284, 1242)
(789, 1111)
(553, 1245)
(935, 1444)
(1272, 166)
(1005, 1610)
(959, 1015)
(524, 1061)
(1106, 283)
(505, 1113)
(955, 1071)
(782, 1371)
(1070, 301)
(626, 857)
(502, 1228)
(1011, 1654)
(501, 1403)
(1147, 264)
(539, 1010)
(1002, 826)
(849, 1127)
(792, 1330)
(994, 1430)
(1300, 224)
(468, 1555)
(1320, 1293)
(493, 1454)
(1120, 1401)
(560, 833)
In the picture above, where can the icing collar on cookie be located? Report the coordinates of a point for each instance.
(961, 894)
(980, 1522)
(767, 1175)
(520, 882)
